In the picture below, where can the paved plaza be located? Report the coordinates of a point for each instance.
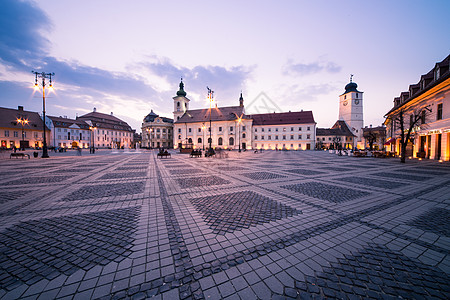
(271, 225)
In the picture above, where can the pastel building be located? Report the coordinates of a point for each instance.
(157, 131)
(68, 133)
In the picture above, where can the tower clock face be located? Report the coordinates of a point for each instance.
(345, 103)
(356, 101)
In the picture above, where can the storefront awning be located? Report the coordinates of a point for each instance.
(390, 141)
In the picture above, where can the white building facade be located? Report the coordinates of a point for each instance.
(284, 131)
(431, 97)
(68, 133)
(157, 132)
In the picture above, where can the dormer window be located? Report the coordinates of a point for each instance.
(356, 95)
(437, 73)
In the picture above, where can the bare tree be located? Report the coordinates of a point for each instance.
(371, 138)
(418, 115)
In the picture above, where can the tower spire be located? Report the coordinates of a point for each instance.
(351, 77)
(241, 100)
(181, 91)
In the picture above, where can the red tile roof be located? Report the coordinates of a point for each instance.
(299, 117)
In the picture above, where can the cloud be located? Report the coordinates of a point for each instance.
(303, 69)
(23, 48)
(226, 82)
(308, 93)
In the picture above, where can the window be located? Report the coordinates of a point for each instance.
(299, 129)
(262, 137)
(256, 137)
(345, 97)
(423, 117)
(59, 137)
(292, 128)
(179, 136)
(284, 136)
(276, 137)
(199, 129)
(269, 137)
(356, 95)
(308, 136)
(7, 133)
(179, 130)
(256, 129)
(270, 129)
(292, 136)
(190, 141)
(308, 128)
(68, 136)
(243, 135)
(231, 141)
(323, 139)
(220, 129)
(220, 141)
(65, 130)
(439, 112)
(243, 128)
(164, 130)
(299, 136)
(59, 129)
(284, 129)
(231, 128)
(199, 140)
(190, 129)
(35, 135)
(276, 129)
(262, 129)
(329, 139)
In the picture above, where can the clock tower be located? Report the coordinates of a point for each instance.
(351, 109)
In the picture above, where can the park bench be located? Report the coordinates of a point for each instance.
(17, 155)
(163, 154)
(196, 153)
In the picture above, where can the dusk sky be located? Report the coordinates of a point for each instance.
(127, 57)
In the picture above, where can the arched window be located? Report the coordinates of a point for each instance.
(178, 117)
(209, 140)
(178, 104)
(179, 136)
(231, 141)
(243, 135)
(220, 142)
(199, 140)
(190, 141)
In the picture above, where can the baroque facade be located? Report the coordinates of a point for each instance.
(157, 131)
(230, 128)
(430, 98)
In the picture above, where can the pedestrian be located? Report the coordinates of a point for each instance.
(15, 149)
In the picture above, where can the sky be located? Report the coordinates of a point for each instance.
(127, 57)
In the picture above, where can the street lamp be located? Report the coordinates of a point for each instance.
(43, 75)
(92, 129)
(203, 141)
(22, 121)
(239, 120)
(210, 99)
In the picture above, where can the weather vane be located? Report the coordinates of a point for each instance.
(351, 77)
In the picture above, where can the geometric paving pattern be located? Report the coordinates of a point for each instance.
(236, 211)
(326, 191)
(435, 220)
(37, 180)
(232, 168)
(262, 175)
(304, 172)
(201, 181)
(123, 175)
(402, 176)
(105, 190)
(185, 171)
(45, 248)
(379, 183)
(6, 196)
(376, 273)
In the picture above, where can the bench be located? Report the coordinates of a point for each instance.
(163, 154)
(17, 155)
(196, 153)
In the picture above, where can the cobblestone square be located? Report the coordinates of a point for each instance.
(271, 225)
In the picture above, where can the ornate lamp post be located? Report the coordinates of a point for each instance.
(92, 129)
(210, 99)
(239, 120)
(43, 75)
(203, 129)
(22, 121)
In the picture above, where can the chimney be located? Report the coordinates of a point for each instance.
(111, 113)
(20, 108)
(95, 110)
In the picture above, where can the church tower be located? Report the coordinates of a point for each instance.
(351, 109)
(180, 103)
